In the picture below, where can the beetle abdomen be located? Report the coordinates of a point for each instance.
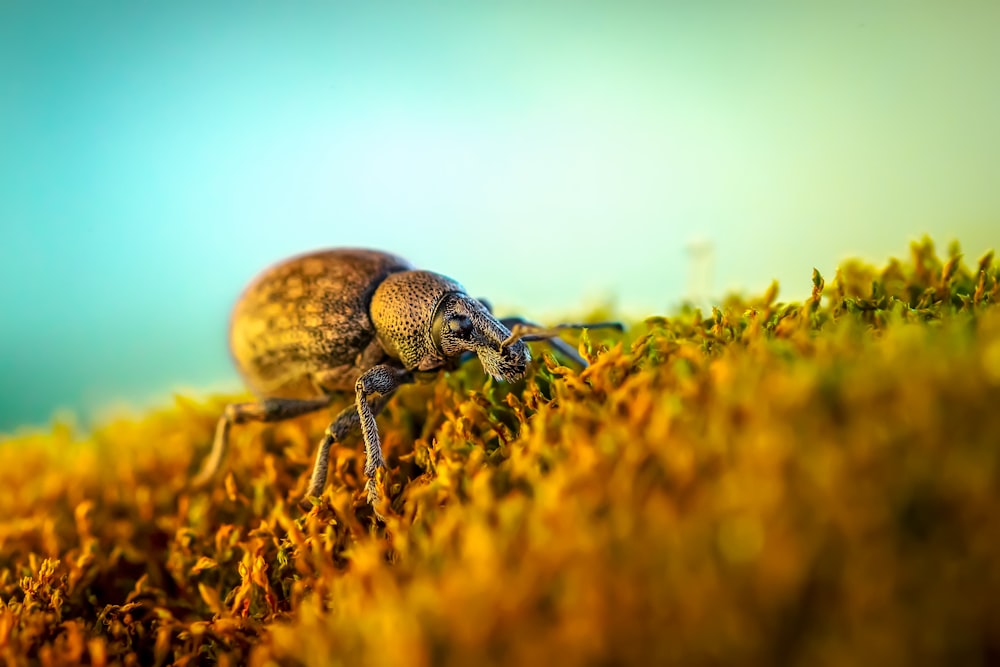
(307, 315)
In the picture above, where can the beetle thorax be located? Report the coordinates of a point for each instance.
(403, 309)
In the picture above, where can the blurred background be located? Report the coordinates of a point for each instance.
(554, 158)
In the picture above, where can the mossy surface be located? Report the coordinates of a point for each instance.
(810, 483)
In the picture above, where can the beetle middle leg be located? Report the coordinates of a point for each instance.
(269, 410)
(382, 380)
(339, 428)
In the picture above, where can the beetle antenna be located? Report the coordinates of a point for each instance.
(528, 332)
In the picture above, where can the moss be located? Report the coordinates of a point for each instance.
(768, 483)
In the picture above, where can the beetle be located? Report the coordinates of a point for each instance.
(319, 324)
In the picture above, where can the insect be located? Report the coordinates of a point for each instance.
(319, 324)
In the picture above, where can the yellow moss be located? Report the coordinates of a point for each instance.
(770, 483)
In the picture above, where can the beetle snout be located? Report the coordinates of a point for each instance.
(508, 364)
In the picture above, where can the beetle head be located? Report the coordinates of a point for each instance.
(463, 324)
(427, 320)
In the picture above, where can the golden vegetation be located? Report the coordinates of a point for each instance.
(772, 483)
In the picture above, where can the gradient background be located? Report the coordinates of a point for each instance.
(155, 156)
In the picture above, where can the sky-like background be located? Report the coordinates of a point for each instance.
(550, 156)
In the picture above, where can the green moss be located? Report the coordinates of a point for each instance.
(768, 483)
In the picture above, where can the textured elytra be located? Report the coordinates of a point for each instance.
(306, 316)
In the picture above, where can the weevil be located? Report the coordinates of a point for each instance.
(328, 322)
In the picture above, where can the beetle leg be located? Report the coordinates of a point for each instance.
(382, 380)
(269, 410)
(339, 428)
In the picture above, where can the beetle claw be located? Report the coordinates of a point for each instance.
(373, 495)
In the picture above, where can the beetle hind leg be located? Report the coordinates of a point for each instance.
(269, 410)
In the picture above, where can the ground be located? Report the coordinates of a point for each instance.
(766, 483)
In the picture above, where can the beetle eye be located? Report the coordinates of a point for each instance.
(461, 325)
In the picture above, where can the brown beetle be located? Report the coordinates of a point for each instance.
(335, 320)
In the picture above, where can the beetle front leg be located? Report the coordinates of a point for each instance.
(381, 380)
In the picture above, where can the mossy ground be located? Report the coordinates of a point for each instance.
(812, 483)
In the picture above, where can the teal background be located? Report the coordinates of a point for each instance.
(551, 156)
